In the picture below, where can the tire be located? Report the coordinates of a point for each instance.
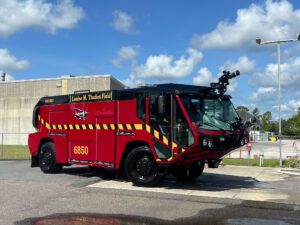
(141, 167)
(189, 172)
(47, 159)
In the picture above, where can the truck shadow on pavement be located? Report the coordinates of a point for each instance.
(206, 182)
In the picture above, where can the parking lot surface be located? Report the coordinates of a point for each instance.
(227, 195)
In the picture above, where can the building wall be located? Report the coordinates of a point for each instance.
(17, 99)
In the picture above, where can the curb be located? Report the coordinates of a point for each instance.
(290, 171)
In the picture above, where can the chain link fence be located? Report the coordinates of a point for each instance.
(14, 146)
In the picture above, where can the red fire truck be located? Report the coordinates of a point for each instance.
(146, 131)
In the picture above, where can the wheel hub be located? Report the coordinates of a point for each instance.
(144, 166)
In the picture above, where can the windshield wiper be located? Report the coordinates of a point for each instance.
(213, 125)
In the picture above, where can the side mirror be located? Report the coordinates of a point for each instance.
(161, 104)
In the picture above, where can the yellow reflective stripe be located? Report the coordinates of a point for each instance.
(59, 126)
(156, 134)
(91, 126)
(183, 150)
(105, 127)
(170, 159)
(83, 126)
(165, 140)
(71, 127)
(65, 126)
(174, 145)
(42, 121)
(97, 126)
(147, 128)
(77, 127)
(39, 117)
(112, 126)
(120, 126)
(54, 127)
(138, 126)
(48, 126)
(129, 127)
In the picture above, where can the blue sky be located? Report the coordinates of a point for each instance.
(156, 41)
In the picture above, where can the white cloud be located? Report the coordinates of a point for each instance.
(123, 22)
(292, 106)
(243, 64)
(264, 94)
(290, 75)
(126, 53)
(16, 15)
(204, 77)
(273, 20)
(165, 67)
(10, 62)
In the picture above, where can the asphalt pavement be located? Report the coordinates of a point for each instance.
(80, 196)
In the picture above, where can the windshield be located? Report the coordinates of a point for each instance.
(210, 114)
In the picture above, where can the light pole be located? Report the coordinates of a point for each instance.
(278, 42)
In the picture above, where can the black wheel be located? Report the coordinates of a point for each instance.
(189, 172)
(141, 167)
(47, 159)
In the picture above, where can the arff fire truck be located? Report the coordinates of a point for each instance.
(146, 132)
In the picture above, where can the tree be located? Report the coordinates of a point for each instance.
(242, 108)
(266, 121)
(255, 112)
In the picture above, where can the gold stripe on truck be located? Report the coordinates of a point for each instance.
(145, 127)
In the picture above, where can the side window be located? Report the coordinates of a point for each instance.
(141, 106)
(182, 133)
(160, 121)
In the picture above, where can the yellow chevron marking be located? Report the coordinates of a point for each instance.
(120, 126)
(54, 127)
(183, 150)
(129, 127)
(59, 127)
(170, 159)
(165, 140)
(83, 126)
(174, 145)
(138, 126)
(97, 126)
(71, 127)
(105, 126)
(156, 134)
(147, 128)
(65, 126)
(77, 127)
(48, 126)
(112, 126)
(91, 126)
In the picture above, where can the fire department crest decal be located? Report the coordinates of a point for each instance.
(80, 114)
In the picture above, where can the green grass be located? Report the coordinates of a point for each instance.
(254, 162)
(14, 152)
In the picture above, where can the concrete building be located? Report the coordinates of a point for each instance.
(17, 99)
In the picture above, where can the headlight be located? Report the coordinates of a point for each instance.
(209, 144)
(204, 142)
(246, 140)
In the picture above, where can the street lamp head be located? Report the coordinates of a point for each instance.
(258, 40)
(298, 36)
